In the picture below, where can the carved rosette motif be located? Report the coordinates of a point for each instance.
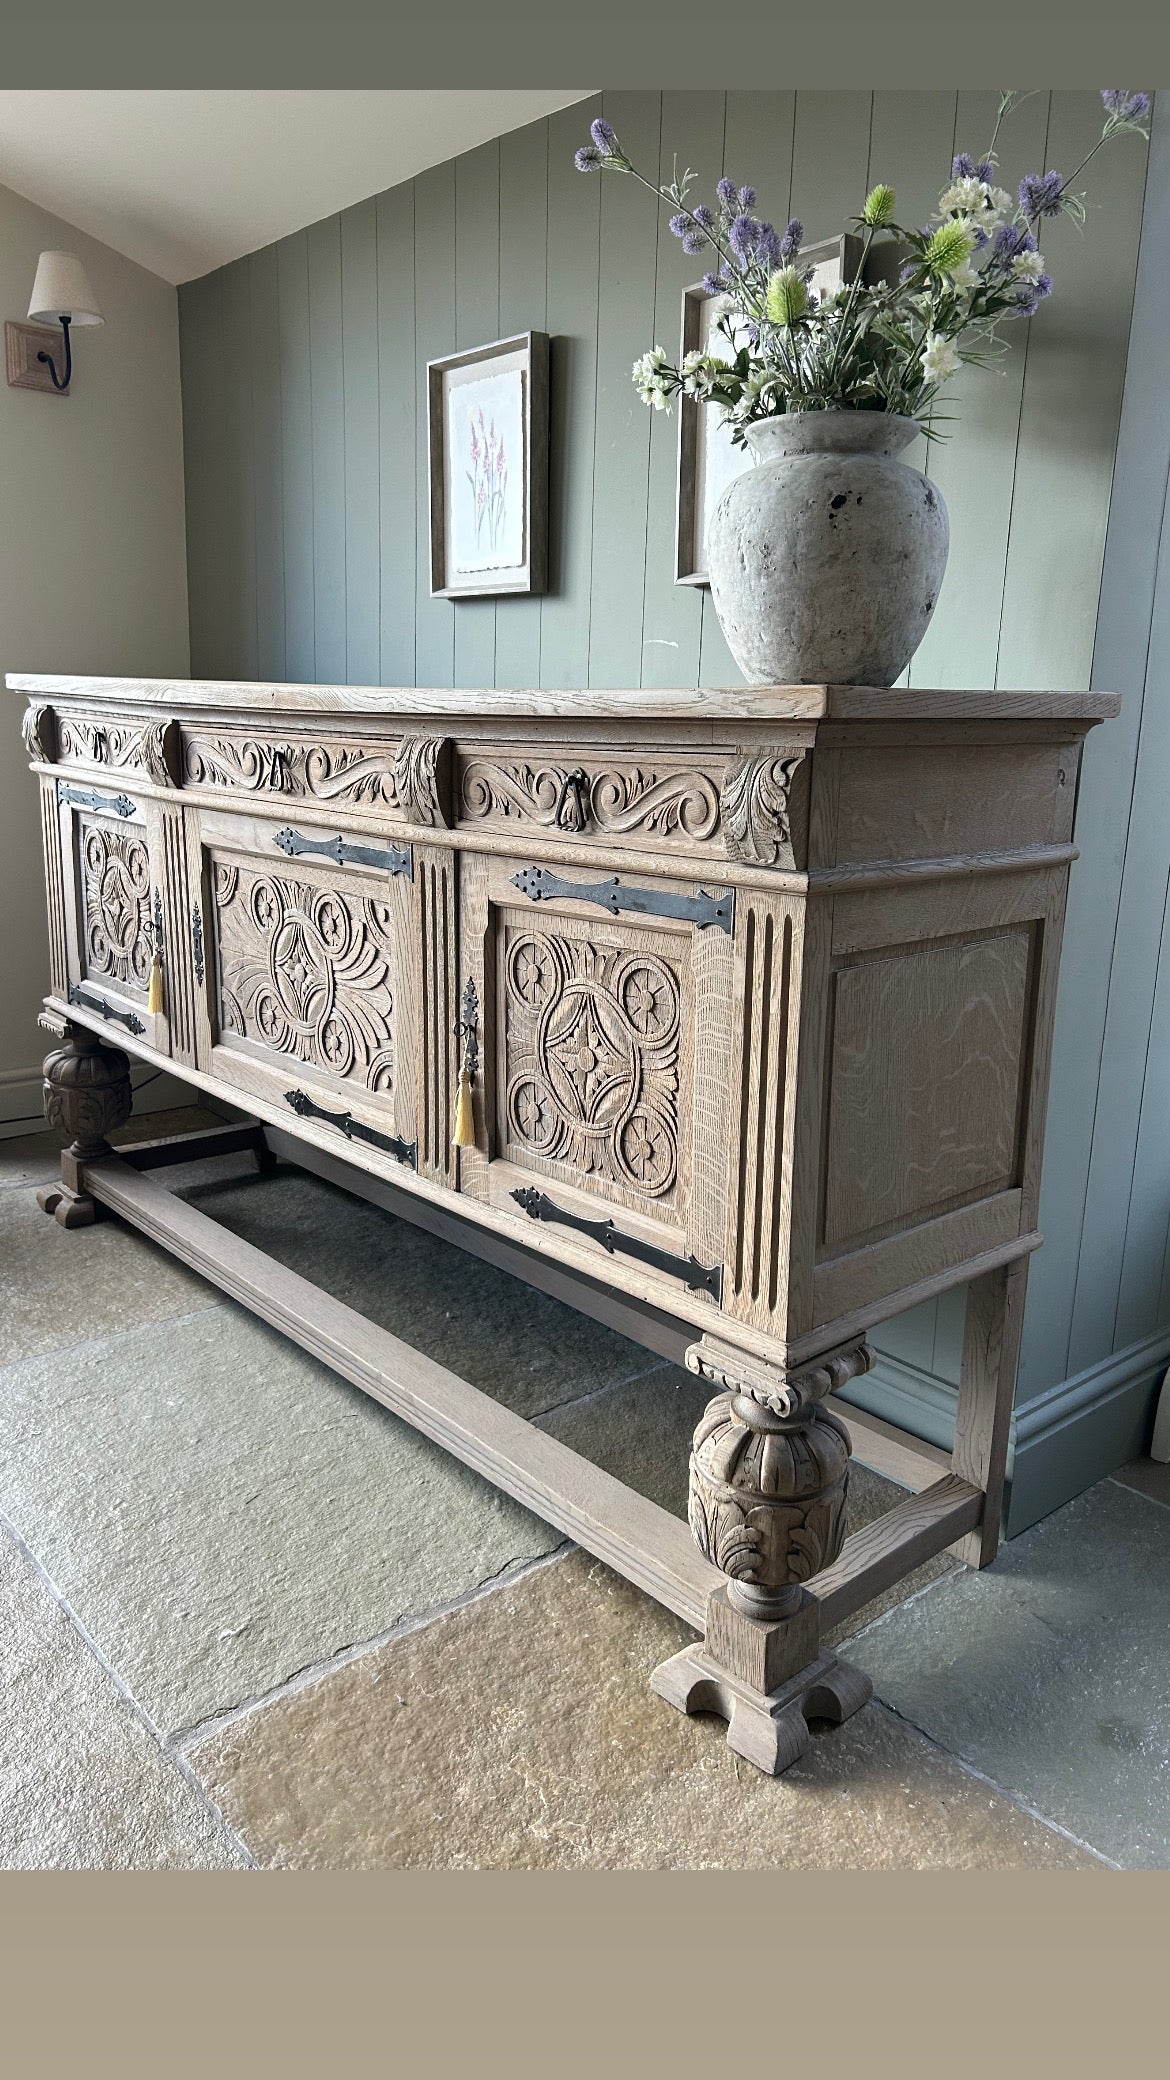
(755, 807)
(767, 1498)
(307, 971)
(615, 800)
(119, 941)
(592, 1058)
(259, 765)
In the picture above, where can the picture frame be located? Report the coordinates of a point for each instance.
(707, 458)
(487, 424)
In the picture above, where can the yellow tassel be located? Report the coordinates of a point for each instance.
(154, 995)
(464, 1135)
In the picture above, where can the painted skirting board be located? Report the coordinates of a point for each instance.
(1062, 1441)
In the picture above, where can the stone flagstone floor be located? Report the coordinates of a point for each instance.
(252, 1620)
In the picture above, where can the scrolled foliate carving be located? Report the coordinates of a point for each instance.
(149, 748)
(38, 728)
(614, 799)
(757, 825)
(261, 765)
(308, 971)
(419, 778)
(591, 1036)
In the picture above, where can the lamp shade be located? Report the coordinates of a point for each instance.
(62, 290)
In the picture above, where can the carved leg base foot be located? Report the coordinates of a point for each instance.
(771, 1731)
(71, 1209)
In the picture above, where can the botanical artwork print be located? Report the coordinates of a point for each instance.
(485, 473)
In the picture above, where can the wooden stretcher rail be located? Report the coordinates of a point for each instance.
(653, 1549)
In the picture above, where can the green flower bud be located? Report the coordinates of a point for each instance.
(787, 298)
(949, 246)
(880, 204)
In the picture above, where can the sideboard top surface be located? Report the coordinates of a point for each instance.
(696, 704)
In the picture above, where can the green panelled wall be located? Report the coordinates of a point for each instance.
(303, 384)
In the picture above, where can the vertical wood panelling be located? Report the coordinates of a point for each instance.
(327, 392)
(359, 346)
(523, 308)
(477, 321)
(672, 616)
(209, 579)
(830, 160)
(1105, 795)
(621, 450)
(238, 508)
(434, 335)
(974, 466)
(397, 435)
(574, 205)
(268, 473)
(292, 260)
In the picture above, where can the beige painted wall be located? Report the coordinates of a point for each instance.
(92, 558)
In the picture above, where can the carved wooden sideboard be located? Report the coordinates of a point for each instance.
(750, 993)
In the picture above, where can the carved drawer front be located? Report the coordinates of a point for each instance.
(604, 1077)
(405, 778)
(112, 857)
(306, 978)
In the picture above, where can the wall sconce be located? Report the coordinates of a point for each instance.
(61, 296)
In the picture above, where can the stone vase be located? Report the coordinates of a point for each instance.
(826, 559)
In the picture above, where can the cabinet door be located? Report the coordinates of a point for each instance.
(307, 995)
(606, 1042)
(112, 872)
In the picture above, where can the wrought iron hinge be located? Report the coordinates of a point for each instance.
(81, 996)
(541, 885)
(467, 1027)
(197, 940)
(699, 1278)
(397, 859)
(89, 798)
(353, 1129)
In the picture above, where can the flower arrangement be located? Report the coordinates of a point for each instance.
(888, 340)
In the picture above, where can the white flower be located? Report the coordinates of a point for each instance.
(1028, 265)
(1000, 202)
(964, 276)
(967, 197)
(939, 358)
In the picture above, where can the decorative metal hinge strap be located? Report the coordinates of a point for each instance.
(89, 798)
(699, 1278)
(99, 1004)
(353, 1129)
(397, 859)
(197, 940)
(541, 885)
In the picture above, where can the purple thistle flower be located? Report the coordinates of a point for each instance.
(1040, 194)
(681, 225)
(1124, 106)
(587, 158)
(965, 168)
(747, 198)
(1032, 294)
(743, 234)
(604, 137)
(793, 237)
(980, 237)
(727, 192)
(714, 284)
(1011, 239)
(702, 215)
(693, 242)
(770, 249)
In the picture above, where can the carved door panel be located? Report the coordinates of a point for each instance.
(605, 1027)
(306, 981)
(112, 857)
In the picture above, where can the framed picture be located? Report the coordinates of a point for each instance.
(488, 449)
(707, 456)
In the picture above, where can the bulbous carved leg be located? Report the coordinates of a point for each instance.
(769, 1480)
(87, 1094)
